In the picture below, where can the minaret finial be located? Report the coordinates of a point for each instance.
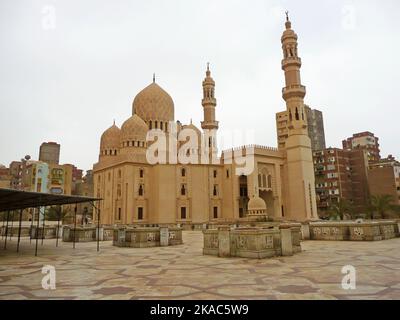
(154, 77)
(288, 24)
(208, 66)
(114, 122)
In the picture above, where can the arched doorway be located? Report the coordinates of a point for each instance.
(243, 196)
(268, 197)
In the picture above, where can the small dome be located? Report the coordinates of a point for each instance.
(192, 127)
(153, 103)
(110, 139)
(257, 204)
(134, 129)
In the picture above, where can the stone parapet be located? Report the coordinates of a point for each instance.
(354, 231)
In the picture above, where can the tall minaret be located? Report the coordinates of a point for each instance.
(301, 198)
(209, 125)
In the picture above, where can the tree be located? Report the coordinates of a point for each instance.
(52, 213)
(340, 209)
(381, 205)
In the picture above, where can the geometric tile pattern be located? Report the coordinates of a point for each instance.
(182, 272)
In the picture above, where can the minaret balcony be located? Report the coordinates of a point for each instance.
(211, 101)
(294, 91)
(210, 125)
(290, 61)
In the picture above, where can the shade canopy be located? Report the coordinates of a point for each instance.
(15, 199)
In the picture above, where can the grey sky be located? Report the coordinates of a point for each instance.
(68, 83)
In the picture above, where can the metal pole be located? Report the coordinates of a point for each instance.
(58, 225)
(98, 229)
(37, 232)
(44, 223)
(2, 229)
(6, 233)
(12, 224)
(19, 229)
(75, 225)
(30, 231)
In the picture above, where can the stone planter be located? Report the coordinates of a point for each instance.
(145, 237)
(254, 243)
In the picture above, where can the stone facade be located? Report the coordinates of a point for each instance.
(136, 191)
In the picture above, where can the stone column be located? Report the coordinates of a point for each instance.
(164, 237)
(224, 241)
(286, 241)
(305, 231)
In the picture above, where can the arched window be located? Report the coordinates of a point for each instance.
(290, 115)
(161, 125)
(215, 191)
(150, 125)
(183, 172)
(115, 152)
(183, 190)
(141, 190)
(264, 178)
(259, 180)
(269, 181)
(141, 173)
(155, 124)
(297, 114)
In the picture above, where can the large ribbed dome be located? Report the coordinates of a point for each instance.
(153, 103)
(110, 139)
(134, 129)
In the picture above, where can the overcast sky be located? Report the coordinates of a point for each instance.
(68, 68)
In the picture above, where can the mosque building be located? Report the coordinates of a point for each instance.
(135, 190)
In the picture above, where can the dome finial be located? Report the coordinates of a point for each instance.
(154, 77)
(288, 24)
(114, 122)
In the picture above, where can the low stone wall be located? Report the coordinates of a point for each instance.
(13, 231)
(354, 231)
(251, 242)
(139, 237)
(87, 233)
(50, 232)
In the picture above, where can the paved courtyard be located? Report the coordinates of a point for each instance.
(182, 272)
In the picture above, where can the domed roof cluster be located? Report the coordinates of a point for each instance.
(153, 103)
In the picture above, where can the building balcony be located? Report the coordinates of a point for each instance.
(294, 91)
